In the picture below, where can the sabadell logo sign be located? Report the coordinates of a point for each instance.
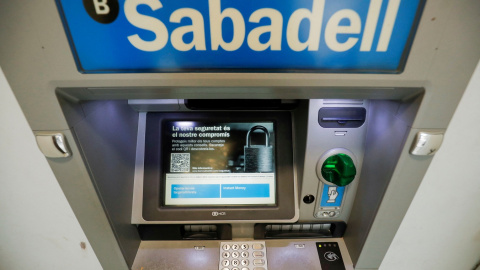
(176, 35)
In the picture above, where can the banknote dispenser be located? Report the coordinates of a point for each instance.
(143, 111)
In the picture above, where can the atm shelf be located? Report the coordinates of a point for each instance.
(186, 255)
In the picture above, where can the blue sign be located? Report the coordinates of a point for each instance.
(118, 36)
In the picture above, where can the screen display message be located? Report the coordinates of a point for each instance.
(212, 163)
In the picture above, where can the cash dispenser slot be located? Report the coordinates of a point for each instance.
(299, 230)
(185, 232)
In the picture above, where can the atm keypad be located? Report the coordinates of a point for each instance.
(243, 256)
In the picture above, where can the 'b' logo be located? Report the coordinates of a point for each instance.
(102, 11)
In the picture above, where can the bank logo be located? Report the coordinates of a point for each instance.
(329, 35)
(102, 11)
(218, 16)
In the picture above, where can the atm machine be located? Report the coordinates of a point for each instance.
(223, 134)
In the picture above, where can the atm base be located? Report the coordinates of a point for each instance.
(281, 255)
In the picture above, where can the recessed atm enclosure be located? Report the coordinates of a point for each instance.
(299, 146)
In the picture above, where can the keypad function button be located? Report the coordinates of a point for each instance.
(226, 247)
(257, 246)
(244, 254)
(258, 254)
(258, 262)
(244, 246)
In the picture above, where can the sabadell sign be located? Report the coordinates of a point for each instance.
(115, 36)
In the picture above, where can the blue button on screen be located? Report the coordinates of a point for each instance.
(246, 191)
(195, 191)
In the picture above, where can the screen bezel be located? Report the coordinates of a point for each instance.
(153, 207)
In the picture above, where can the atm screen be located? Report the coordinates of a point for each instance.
(239, 164)
(218, 163)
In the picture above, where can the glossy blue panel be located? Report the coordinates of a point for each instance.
(333, 35)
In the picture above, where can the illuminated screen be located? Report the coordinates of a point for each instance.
(208, 163)
(221, 166)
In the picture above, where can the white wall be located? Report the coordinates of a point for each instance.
(38, 229)
(442, 227)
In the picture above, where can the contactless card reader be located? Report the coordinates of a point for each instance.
(330, 256)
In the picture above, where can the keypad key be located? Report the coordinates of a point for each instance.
(258, 262)
(258, 254)
(257, 246)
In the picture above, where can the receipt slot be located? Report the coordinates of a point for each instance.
(153, 103)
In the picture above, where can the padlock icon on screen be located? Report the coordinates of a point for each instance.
(258, 158)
